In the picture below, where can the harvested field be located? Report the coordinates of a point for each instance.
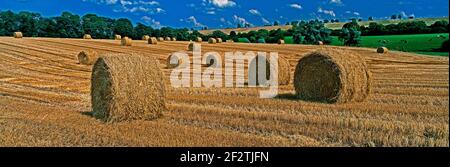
(45, 101)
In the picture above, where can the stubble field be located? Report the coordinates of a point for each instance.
(45, 101)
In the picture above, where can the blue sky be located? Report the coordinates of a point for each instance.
(227, 13)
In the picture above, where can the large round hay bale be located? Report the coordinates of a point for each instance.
(280, 41)
(198, 39)
(176, 64)
(212, 41)
(174, 39)
(332, 76)
(168, 39)
(126, 41)
(87, 36)
(219, 40)
(87, 57)
(153, 41)
(284, 72)
(191, 46)
(17, 34)
(127, 87)
(145, 37)
(117, 37)
(382, 50)
(160, 39)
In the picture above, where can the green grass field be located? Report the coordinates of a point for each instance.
(418, 43)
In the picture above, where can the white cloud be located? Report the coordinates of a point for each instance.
(109, 2)
(254, 12)
(328, 12)
(194, 21)
(152, 22)
(211, 12)
(265, 21)
(124, 2)
(339, 2)
(146, 2)
(240, 20)
(223, 3)
(296, 6)
(159, 10)
(356, 13)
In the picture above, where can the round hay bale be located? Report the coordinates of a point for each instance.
(153, 41)
(280, 41)
(174, 39)
(87, 36)
(18, 35)
(117, 37)
(320, 43)
(212, 41)
(126, 87)
(230, 41)
(198, 39)
(126, 41)
(160, 39)
(145, 37)
(219, 40)
(332, 76)
(87, 57)
(284, 72)
(191, 46)
(168, 39)
(382, 50)
(178, 63)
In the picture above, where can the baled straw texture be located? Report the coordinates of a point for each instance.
(87, 36)
(382, 50)
(284, 72)
(160, 39)
(280, 41)
(153, 41)
(127, 87)
(212, 41)
(126, 41)
(332, 76)
(18, 35)
(168, 39)
(198, 39)
(219, 40)
(87, 57)
(117, 37)
(179, 62)
(145, 37)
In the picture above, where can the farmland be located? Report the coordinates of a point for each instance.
(45, 101)
(417, 43)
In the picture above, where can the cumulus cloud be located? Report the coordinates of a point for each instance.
(146, 2)
(194, 21)
(328, 12)
(265, 21)
(296, 6)
(356, 13)
(152, 22)
(339, 2)
(254, 12)
(223, 3)
(240, 20)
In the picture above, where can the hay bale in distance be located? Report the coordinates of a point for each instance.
(18, 35)
(219, 40)
(174, 39)
(168, 39)
(160, 39)
(382, 50)
(332, 76)
(280, 41)
(284, 72)
(127, 87)
(198, 39)
(229, 41)
(179, 62)
(87, 36)
(153, 41)
(145, 37)
(320, 43)
(117, 37)
(212, 41)
(191, 46)
(126, 41)
(87, 57)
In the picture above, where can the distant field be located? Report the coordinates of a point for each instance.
(418, 43)
(333, 26)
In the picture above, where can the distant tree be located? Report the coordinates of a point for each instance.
(141, 30)
(326, 21)
(359, 20)
(399, 16)
(276, 23)
(350, 36)
(98, 27)
(219, 34)
(239, 25)
(393, 17)
(370, 18)
(68, 25)
(123, 27)
(411, 17)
